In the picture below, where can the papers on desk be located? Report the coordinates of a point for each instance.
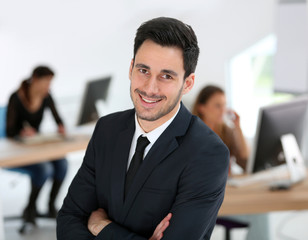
(43, 138)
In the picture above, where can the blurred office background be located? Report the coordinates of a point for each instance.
(255, 49)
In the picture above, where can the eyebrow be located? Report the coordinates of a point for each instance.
(168, 71)
(140, 65)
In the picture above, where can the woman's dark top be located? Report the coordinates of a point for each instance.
(18, 115)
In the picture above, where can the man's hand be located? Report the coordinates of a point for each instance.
(161, 227)
(97, 221)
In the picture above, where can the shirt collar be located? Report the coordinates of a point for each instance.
(154, 134)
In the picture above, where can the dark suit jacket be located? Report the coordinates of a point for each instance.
(184, 172)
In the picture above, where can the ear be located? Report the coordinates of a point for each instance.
(131, 69)
(189, 83)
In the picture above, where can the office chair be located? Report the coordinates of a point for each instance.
(2, 121)
(230, 224)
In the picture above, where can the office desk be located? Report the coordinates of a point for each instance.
(258, 198)
(14, 154)
(250, 199)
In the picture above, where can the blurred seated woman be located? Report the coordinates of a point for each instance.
(210, 107)
(24, 115)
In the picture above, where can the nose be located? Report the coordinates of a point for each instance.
(151, 86)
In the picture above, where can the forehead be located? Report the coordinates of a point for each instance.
(44, 78)
(218, 97)
(157, 56)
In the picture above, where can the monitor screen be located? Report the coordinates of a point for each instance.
(95, 90)
(275, 121)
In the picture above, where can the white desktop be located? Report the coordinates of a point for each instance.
(276, 154)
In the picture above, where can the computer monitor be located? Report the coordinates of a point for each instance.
(95, 90)
(275, 121)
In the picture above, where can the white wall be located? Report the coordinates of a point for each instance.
(291, 60)
(82, 40)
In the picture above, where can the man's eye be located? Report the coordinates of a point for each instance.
(166, 76)
(144, 71)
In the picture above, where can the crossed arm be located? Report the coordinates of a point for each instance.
(74, 222)
(200, 194)
(98, 220)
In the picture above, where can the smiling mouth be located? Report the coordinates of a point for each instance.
(150, 100)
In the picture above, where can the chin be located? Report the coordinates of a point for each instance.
(147, 116)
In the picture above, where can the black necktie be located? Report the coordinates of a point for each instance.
(136, 161)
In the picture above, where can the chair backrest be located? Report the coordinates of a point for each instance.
(2, 121)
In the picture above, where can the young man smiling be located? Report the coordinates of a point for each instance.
(154, 171)
(158, 83)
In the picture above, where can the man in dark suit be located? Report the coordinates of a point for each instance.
(154, 171)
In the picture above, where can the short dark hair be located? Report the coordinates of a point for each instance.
(171, 32)
(42, 71)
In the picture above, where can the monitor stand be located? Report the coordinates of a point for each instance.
(295, 163)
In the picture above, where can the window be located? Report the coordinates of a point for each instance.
(251, 83)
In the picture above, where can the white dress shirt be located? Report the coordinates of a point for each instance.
(152, 136)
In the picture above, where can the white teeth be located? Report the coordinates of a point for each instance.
(149, 101)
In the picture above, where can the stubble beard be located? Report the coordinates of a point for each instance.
(161, 113)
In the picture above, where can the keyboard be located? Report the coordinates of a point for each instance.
(275, 174)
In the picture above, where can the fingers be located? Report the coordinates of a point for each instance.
(165, 221)
(161, 227)
(168, 217)
(99, 214)
(97, 221)
(236, 115)
(158, 234)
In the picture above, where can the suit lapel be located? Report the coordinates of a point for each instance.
(119, 167)
(162, 148)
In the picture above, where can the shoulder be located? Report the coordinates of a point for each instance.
(109, 127)
(14, 97)
(202, 135)
(227, 134)
(115, 121)
(117, 116)
(204, 146)
(48, 98)
(208, 154)
(205, 158)
(227, 130)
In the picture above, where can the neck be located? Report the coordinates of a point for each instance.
(148, 126)
(33, 92)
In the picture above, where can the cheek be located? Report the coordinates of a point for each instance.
(219, 112)
(134, 85)
(215, 112)
(208, 111)
(47, 86)
(136, 80)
